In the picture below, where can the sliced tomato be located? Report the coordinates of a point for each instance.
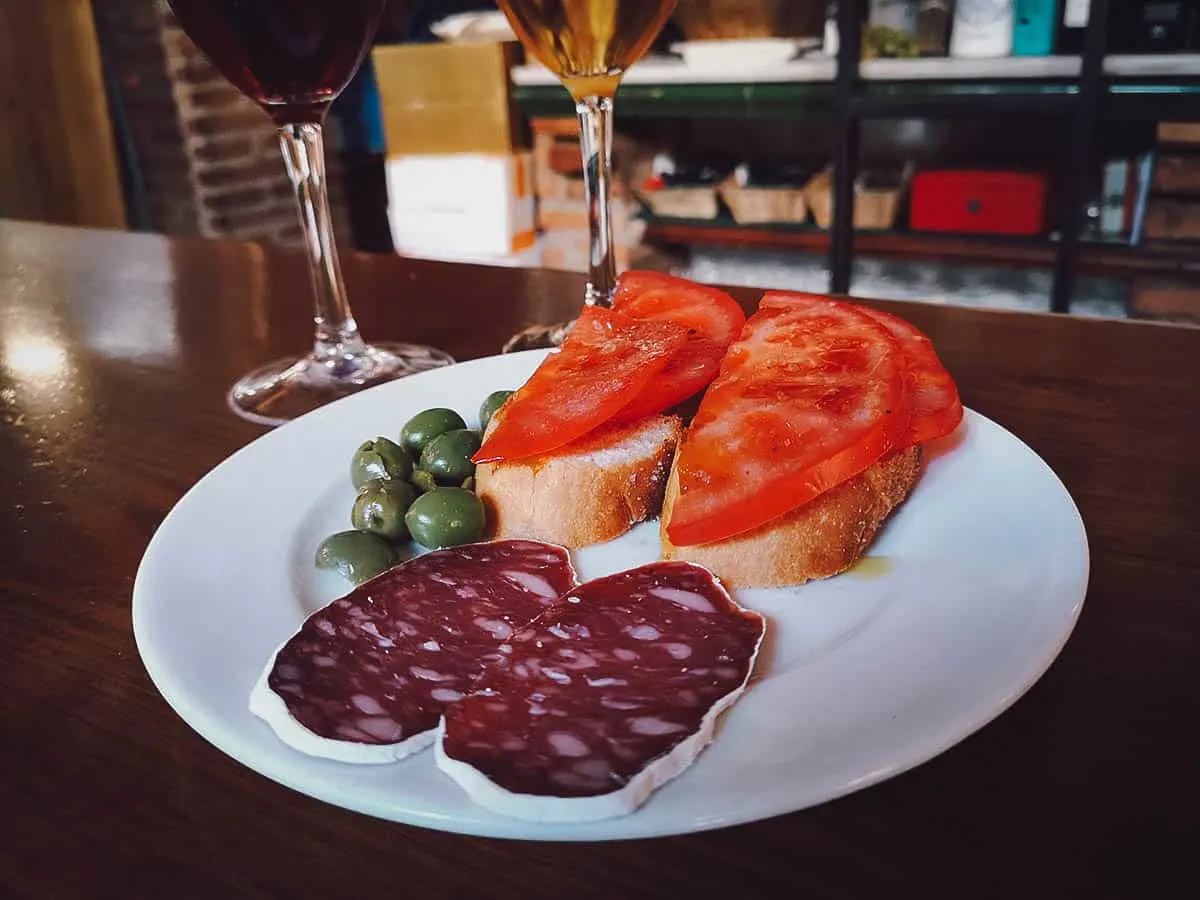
(606, 358)
(712, 319)
(813, 392)
(937, 409)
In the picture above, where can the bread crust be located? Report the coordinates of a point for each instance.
(572, 498)
(821, 538)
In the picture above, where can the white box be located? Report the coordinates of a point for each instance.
(462, 205)
(525, 259)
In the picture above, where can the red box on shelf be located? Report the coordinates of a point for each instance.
(978, 202)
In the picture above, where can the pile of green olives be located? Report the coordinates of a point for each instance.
(420, 489)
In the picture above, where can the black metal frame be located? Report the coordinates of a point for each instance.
(845, 165)
(1080, 156)
(851, 109)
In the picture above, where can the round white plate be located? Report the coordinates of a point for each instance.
(741, 53)
(966, 598)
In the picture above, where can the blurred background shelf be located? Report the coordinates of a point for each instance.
(673, 71)
(1111, 258)
(1137, 87)
(157, 140)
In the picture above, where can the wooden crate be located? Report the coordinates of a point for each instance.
(1177, 175)
(764, 205)
(873, 209)
(1166, 300)
(1173, 219)
(682, 202)
(1179, 132)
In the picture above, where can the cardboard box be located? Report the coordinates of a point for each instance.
(550, 186)
(448, 98)
(1177, 175)
(1170, 301)
(567, 215)
(568, 251)
(526, 259)
(1179, 132)
(1172, 219)
(461, 206)
(558, 161)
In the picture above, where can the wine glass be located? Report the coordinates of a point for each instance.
(588, 44)
(293, 58)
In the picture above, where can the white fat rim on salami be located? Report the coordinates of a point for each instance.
(269, 706)
(621, 802)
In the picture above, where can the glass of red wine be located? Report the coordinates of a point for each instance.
(293, 58)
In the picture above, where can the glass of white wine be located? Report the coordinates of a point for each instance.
(588, 44)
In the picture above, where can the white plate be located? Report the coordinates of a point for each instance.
(864, 675)
(474, 27)
(741, 53)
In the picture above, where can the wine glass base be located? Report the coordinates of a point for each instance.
(538, 337)
(288, 388)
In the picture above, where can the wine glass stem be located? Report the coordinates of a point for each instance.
(336, 331)
(596, 133)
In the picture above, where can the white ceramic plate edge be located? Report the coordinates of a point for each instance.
(213, 730)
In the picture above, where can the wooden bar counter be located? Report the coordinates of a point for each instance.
(115, 354)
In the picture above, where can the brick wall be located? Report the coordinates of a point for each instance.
(208, 158)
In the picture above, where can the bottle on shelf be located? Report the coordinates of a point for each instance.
(900, 15)
(982, 29)
(933, 27)
(830, 37)
(1034, 25)
(1071, 26)
(1153, 26)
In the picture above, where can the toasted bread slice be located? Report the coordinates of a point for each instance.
(822, 538)
(590, 491)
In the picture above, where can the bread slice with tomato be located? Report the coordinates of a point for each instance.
(805, 443)
(580, 452)
(588, 492)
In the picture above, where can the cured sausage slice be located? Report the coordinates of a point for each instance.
(813, 393)
(608, 695)
(366, 678)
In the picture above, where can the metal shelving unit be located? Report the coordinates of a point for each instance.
(1088, 89)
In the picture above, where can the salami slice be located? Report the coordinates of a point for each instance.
(937, 409)
(608, 695)
(366, 678)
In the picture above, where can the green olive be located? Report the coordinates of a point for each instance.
(425, 426)
(423, 481)
(379, 459)
(355, 555)
(445, 517)
(488, 409)
(380, 506)
(448, 456)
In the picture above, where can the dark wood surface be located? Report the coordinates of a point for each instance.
(116, 352)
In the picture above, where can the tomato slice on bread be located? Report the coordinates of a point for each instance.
(607, 358)
(937, 409)
(812, 393)
(712, 319)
